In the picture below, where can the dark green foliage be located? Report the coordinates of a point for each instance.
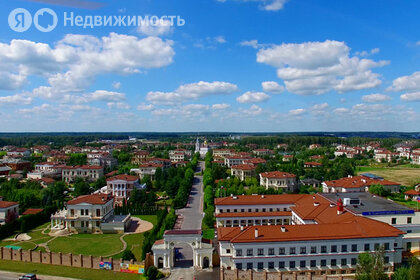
(77, 159)
(81, 187)
(128, 255)
(371, 266)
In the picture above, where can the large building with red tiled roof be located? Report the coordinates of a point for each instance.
(357, 184)
(121, 186)
(92, 213)
(279, 180)
(8, 209)
(299, 233)
(87, 172)
(243, 171)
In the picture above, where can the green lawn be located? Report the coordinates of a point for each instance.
(65, 271)
(87, 244)
(149, 218)
(401, 174)
(35, 234)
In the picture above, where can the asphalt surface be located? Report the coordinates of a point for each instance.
(6, 275)
(193, 212)
(192, 218)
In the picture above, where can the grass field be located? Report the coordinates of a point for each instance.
(401, 174)
(87, 244)
(64, 271)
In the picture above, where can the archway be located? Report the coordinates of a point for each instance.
(160, 263)
(206, 262)
(183, 255)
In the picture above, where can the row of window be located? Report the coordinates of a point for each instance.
(409, 220)
(254, 210)
(312, 250)
(300, 264)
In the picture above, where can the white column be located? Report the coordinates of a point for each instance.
(155, 260)
(165, 264)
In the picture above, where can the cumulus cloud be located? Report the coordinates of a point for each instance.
(155, 28)
(251, 43)
(210, 42)
(267, 5)
(145, 107)
(222, 106)
(375, 97)
(253, 97)
(72, 65)
(254, 110)
(17, 99)
(189, 111)
(366, 111)
(116, 85)
(414, 96)
(319, 109)
(118, 105)
(406, 83)
(313, 68)
(191, 91)
(272, 87)
(297, 112)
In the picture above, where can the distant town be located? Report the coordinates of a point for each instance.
(226, 207)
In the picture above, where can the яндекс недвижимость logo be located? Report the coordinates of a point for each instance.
(45, 20)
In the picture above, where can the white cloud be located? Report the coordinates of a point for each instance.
(155, 28)
(418, 43)
(191, 91)
(272, 87)
(368, 53)
(318, 67)
(104, 95)
(375, 97)
(267, 5)
(254, 110)
(253, 97)
(210, 42)
(189, 111)
(297, 112)
(74, 62)
(406, 83)
(220, 106)
(145, 107)
(414, 96)
(116, 85)
(341, 111)
(367, 111)
(118, 105)
(17, 99)
(319, 109)
(251, 43)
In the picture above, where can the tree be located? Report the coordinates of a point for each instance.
(81, 187)
(414, 269)
(402, 273)
(128, 255)
(152, 273)
(371, 266)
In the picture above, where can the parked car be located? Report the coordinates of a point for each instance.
(30, 276)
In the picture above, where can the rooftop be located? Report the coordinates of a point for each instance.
(370, 204)
(273, 199)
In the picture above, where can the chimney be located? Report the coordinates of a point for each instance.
(340, 207)
(242, 228)
(262, 196)
(256, 233)
(283, 229)
(316, 204)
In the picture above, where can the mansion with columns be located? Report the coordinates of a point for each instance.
(90, 214)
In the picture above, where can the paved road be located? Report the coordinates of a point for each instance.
(193, 213)
(192, 218)
(6, 275)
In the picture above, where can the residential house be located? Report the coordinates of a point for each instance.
(243, 171)
(358, 184)
(87, 172)
(279, 180)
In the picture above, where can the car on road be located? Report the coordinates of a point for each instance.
(30, 276)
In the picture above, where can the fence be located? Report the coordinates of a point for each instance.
(68, 260)
(227, 274)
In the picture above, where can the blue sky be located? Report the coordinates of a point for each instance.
(236, 65)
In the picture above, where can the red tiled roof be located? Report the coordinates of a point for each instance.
(183, 231)
(358, 182)
(244, 167)
(123, 177)
(151, 164)
(272, 199)
(277, 174)
(91, 199)
(83, 167)
(357, 228)
(32, 211)
(254, 214)
(6, 204)
(313, 163)
(412, 192)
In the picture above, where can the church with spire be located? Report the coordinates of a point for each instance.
(201, 148)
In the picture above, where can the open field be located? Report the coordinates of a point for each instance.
(65, 271)
(87, 244)
(401, 174)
